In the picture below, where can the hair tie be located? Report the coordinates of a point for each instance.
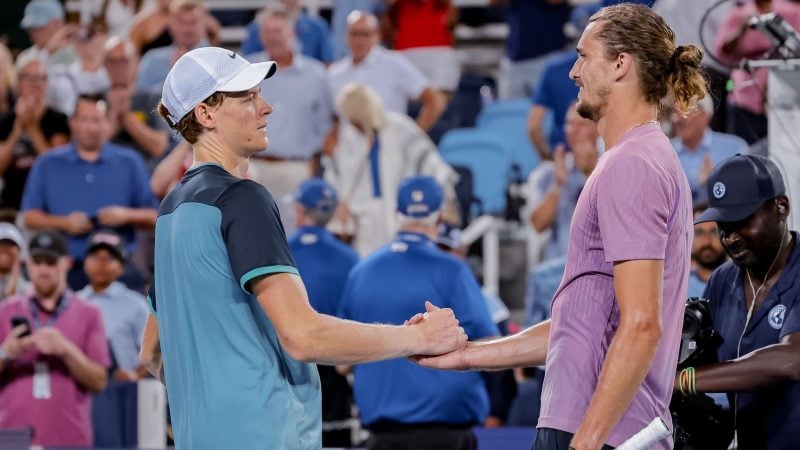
(673, 60)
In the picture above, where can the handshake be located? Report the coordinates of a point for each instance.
(441, 339)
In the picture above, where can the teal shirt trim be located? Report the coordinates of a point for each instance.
(257, 272)
(150, 305)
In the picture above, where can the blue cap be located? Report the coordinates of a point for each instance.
(738, 186)
(419, 196)
(206, 70)
(317, 194)
(39, 13)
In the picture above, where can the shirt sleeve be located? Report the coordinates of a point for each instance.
(253, 233)
(96, 345)
(633, 209)
(469, 305)
(543, 93)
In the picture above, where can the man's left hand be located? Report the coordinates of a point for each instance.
(113, 216)
(49, 341)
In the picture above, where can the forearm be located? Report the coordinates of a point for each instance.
(142, 217)
(39, 142)
(168, 169)
(525, 349)
(543, 215)
(432, 108)
(628, 360)
(86, 372)
(757, 370)
(152, 141)
(7, 149)
(542, 147)
(37, 219)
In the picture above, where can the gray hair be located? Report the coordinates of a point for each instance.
(430, 220)
(361, 106)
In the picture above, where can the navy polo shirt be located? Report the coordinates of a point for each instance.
(767, 418)
(390, 286)
(229, 381)
(324, 263)
(61, 182)
(535, 27)
(556, 91)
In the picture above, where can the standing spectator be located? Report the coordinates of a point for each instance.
(12, 280)
(707, 254)
(535, 30)
(51, 37)
(699, 148)
(88, 184)
(302, 111)
(735, 41)
(48, 376)
(124, 311)
(400, 403)
(133, 123)
(339, 21)
(376, 149)
(423, 33)
(187, 26)
(87, 75)
(150, 27)
(30, 130)
(312, 33)
(396, 81)
(116, 16)
(324, 263)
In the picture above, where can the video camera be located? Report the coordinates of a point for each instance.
(698, 422)
(784, 37)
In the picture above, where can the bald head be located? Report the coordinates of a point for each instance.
(363, 34)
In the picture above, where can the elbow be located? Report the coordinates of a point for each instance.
(645, 330)
(299, 345)
(99, 383)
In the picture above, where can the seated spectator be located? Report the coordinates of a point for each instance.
(324, 263)
(124, 311)
(150, 27)
(699, 148)
(313, 35)
(555, 187)
(707, 254)
(55, 361)
(30, 130)
(12, 278)
(187, 25)
(85, 76)
(133, 123)
(88, 184)
(423, 33)
(396, 81)
(535, 31)
(8, 79)
(375, 150)
(302, 114)
(50, 36)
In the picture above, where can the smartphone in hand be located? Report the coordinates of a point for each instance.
(21, 320)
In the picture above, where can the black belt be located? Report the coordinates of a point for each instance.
(390, 426)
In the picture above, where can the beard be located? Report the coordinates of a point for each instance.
(710, 260)
(592, 111)
(44, 288)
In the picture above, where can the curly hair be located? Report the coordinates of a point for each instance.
(188, 126)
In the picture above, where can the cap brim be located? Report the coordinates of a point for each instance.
(250, 77)
(31, 22)
(46, 252)
(728, 213)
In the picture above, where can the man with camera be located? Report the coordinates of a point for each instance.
(754, 302)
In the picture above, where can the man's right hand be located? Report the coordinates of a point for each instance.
(77, 223)
(14, 345)
(439, 331)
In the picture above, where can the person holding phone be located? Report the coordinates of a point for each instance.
(54, 354)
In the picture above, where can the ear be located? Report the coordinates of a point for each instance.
(782, 206)
(206, 115)
(623, 64)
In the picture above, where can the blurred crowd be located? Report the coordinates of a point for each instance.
(360, 102)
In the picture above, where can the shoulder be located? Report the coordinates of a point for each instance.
(311, 66)
(56, 155)
(723, 276)
(730, 141)
(246, 193)
(13, 305)
(313, 22)
(122, 153)
(84, 307)
(340, 67)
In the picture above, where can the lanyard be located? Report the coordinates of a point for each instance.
(375, 166)
(62, 306)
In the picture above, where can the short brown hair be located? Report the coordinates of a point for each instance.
(664, 69)
(188, 126)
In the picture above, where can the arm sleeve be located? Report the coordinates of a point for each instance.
(543, 93)
(469, 305)
(33, 194)
(253, 234)
(633, 208)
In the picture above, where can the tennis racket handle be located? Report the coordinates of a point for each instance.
(649, 435)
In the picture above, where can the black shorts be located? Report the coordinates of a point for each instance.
(550, 439)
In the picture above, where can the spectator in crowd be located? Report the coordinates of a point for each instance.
(396, 81)
(87, 75)
(754, 302)
(555, 186)
(312, 34)
(535, 30)
(133, 123)
(124, 311)
(375, 150)
(50, 36)
(423, 33)
(302, 113)
(339, 21)
(400, 403)
(8, 80)
(735, 41)
(707, 254)
(324, 263)
(699, 148)
(31, 129)
(48, 376)
(169, 171)
(12, 280)
(117, 16)
(555, 92)
(88, 184)
(150, 28)
(187, 26)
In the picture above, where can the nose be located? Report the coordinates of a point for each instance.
(574, 72)
(266, 109)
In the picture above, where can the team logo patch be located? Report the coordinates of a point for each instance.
(719, 190)
(775, 316)
(417, 196)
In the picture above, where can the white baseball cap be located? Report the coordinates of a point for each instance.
(9, 232)
(206, 70)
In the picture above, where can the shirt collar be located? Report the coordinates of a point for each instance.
(369, 59)
(112, 291)
(73, 155)
(410, 237)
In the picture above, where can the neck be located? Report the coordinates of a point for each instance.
(212, 152)
(284, 59)
(622, 116)
(100, 287)
(764, 271)
(429, 231)
(49, 303)
(703, 273)
(90, 155)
